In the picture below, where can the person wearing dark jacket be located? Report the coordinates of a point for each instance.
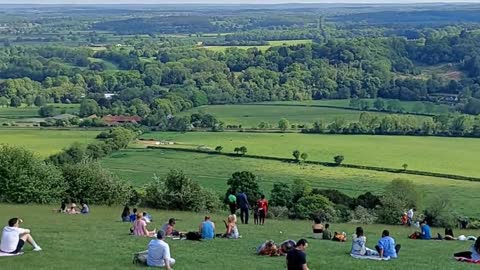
(243, 205)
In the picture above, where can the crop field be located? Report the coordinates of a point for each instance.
(25, 112)
(63, 239)
(45, 142)
(263, 47)
(252, 115)
(138, 166)
(433, 154)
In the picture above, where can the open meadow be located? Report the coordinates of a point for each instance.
(261, 47)
(432, 154)
(249, 116)
(138, 166)
(100, 241)
(45, 142)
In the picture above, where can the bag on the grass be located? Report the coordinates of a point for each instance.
(194, 236)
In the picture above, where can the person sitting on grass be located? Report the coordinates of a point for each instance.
(386, 246)
(473, 254)
(169, 228)
(14, 238)
(327, 234)
(85, 208)
(207, 229)
(317, 228)
(147, 217)
(125, 214)
(359, 241)
(140, 227)
(425, 231)
(72, 210)
(232, 230)
(158, 253)
(133, 216)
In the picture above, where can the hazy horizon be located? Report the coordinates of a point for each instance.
(223, 2)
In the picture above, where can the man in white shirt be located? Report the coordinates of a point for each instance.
(158, 253)
(410, 216)
(14, 237)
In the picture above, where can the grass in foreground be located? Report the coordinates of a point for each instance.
(138, 166)
(45, 141)
(433, 154)
(100, 241)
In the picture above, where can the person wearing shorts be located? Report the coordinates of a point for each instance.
(14, 238)
(262, 209)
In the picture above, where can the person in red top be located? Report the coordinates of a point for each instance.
(262, 209)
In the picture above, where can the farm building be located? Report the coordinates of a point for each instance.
(121, 119)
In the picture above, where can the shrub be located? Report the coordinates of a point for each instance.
(363, 215)
(439, 212)
(178, 192)
(391, 210)
(338, 159)
(90, 182)
(74, 154)
(368, 200)
(244, 182)
(24, 178)
(405, 191)
(278, 212)
(314, 206)
(335, 196)
(281, 195)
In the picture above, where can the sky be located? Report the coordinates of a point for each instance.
(222, 1)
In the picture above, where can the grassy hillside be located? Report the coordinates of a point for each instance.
(100, 241)
(25, 112)
(45, 142)
(434, 154)
(251, 115)
(138, 166)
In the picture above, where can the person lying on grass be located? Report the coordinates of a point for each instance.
(158, 253)
(386, 246)
(473, 254)
(268, 248)
(140, 227)
(14, 238)
(359, 242)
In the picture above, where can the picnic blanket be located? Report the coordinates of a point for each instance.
(2, 254)
(375, 258)
(467, 260)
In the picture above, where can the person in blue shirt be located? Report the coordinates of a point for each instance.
(133, 216)
(386, 246)
(242, 203)
(207, 229)
(426, 233)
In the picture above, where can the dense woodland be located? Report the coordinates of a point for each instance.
(156, 77)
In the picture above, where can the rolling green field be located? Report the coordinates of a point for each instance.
(262, 47)
(25, 112)
(138, 166)
(433, 154)
(64, 238)
(45, 141)
(251, 115)
(408, 106)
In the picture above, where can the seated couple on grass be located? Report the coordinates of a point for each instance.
(14, 238)
(269, 248)
(386, 247)
(157, 254)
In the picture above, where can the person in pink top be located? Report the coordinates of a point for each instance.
(140, 227)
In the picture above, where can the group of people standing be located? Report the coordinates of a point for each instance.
(240, 201)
